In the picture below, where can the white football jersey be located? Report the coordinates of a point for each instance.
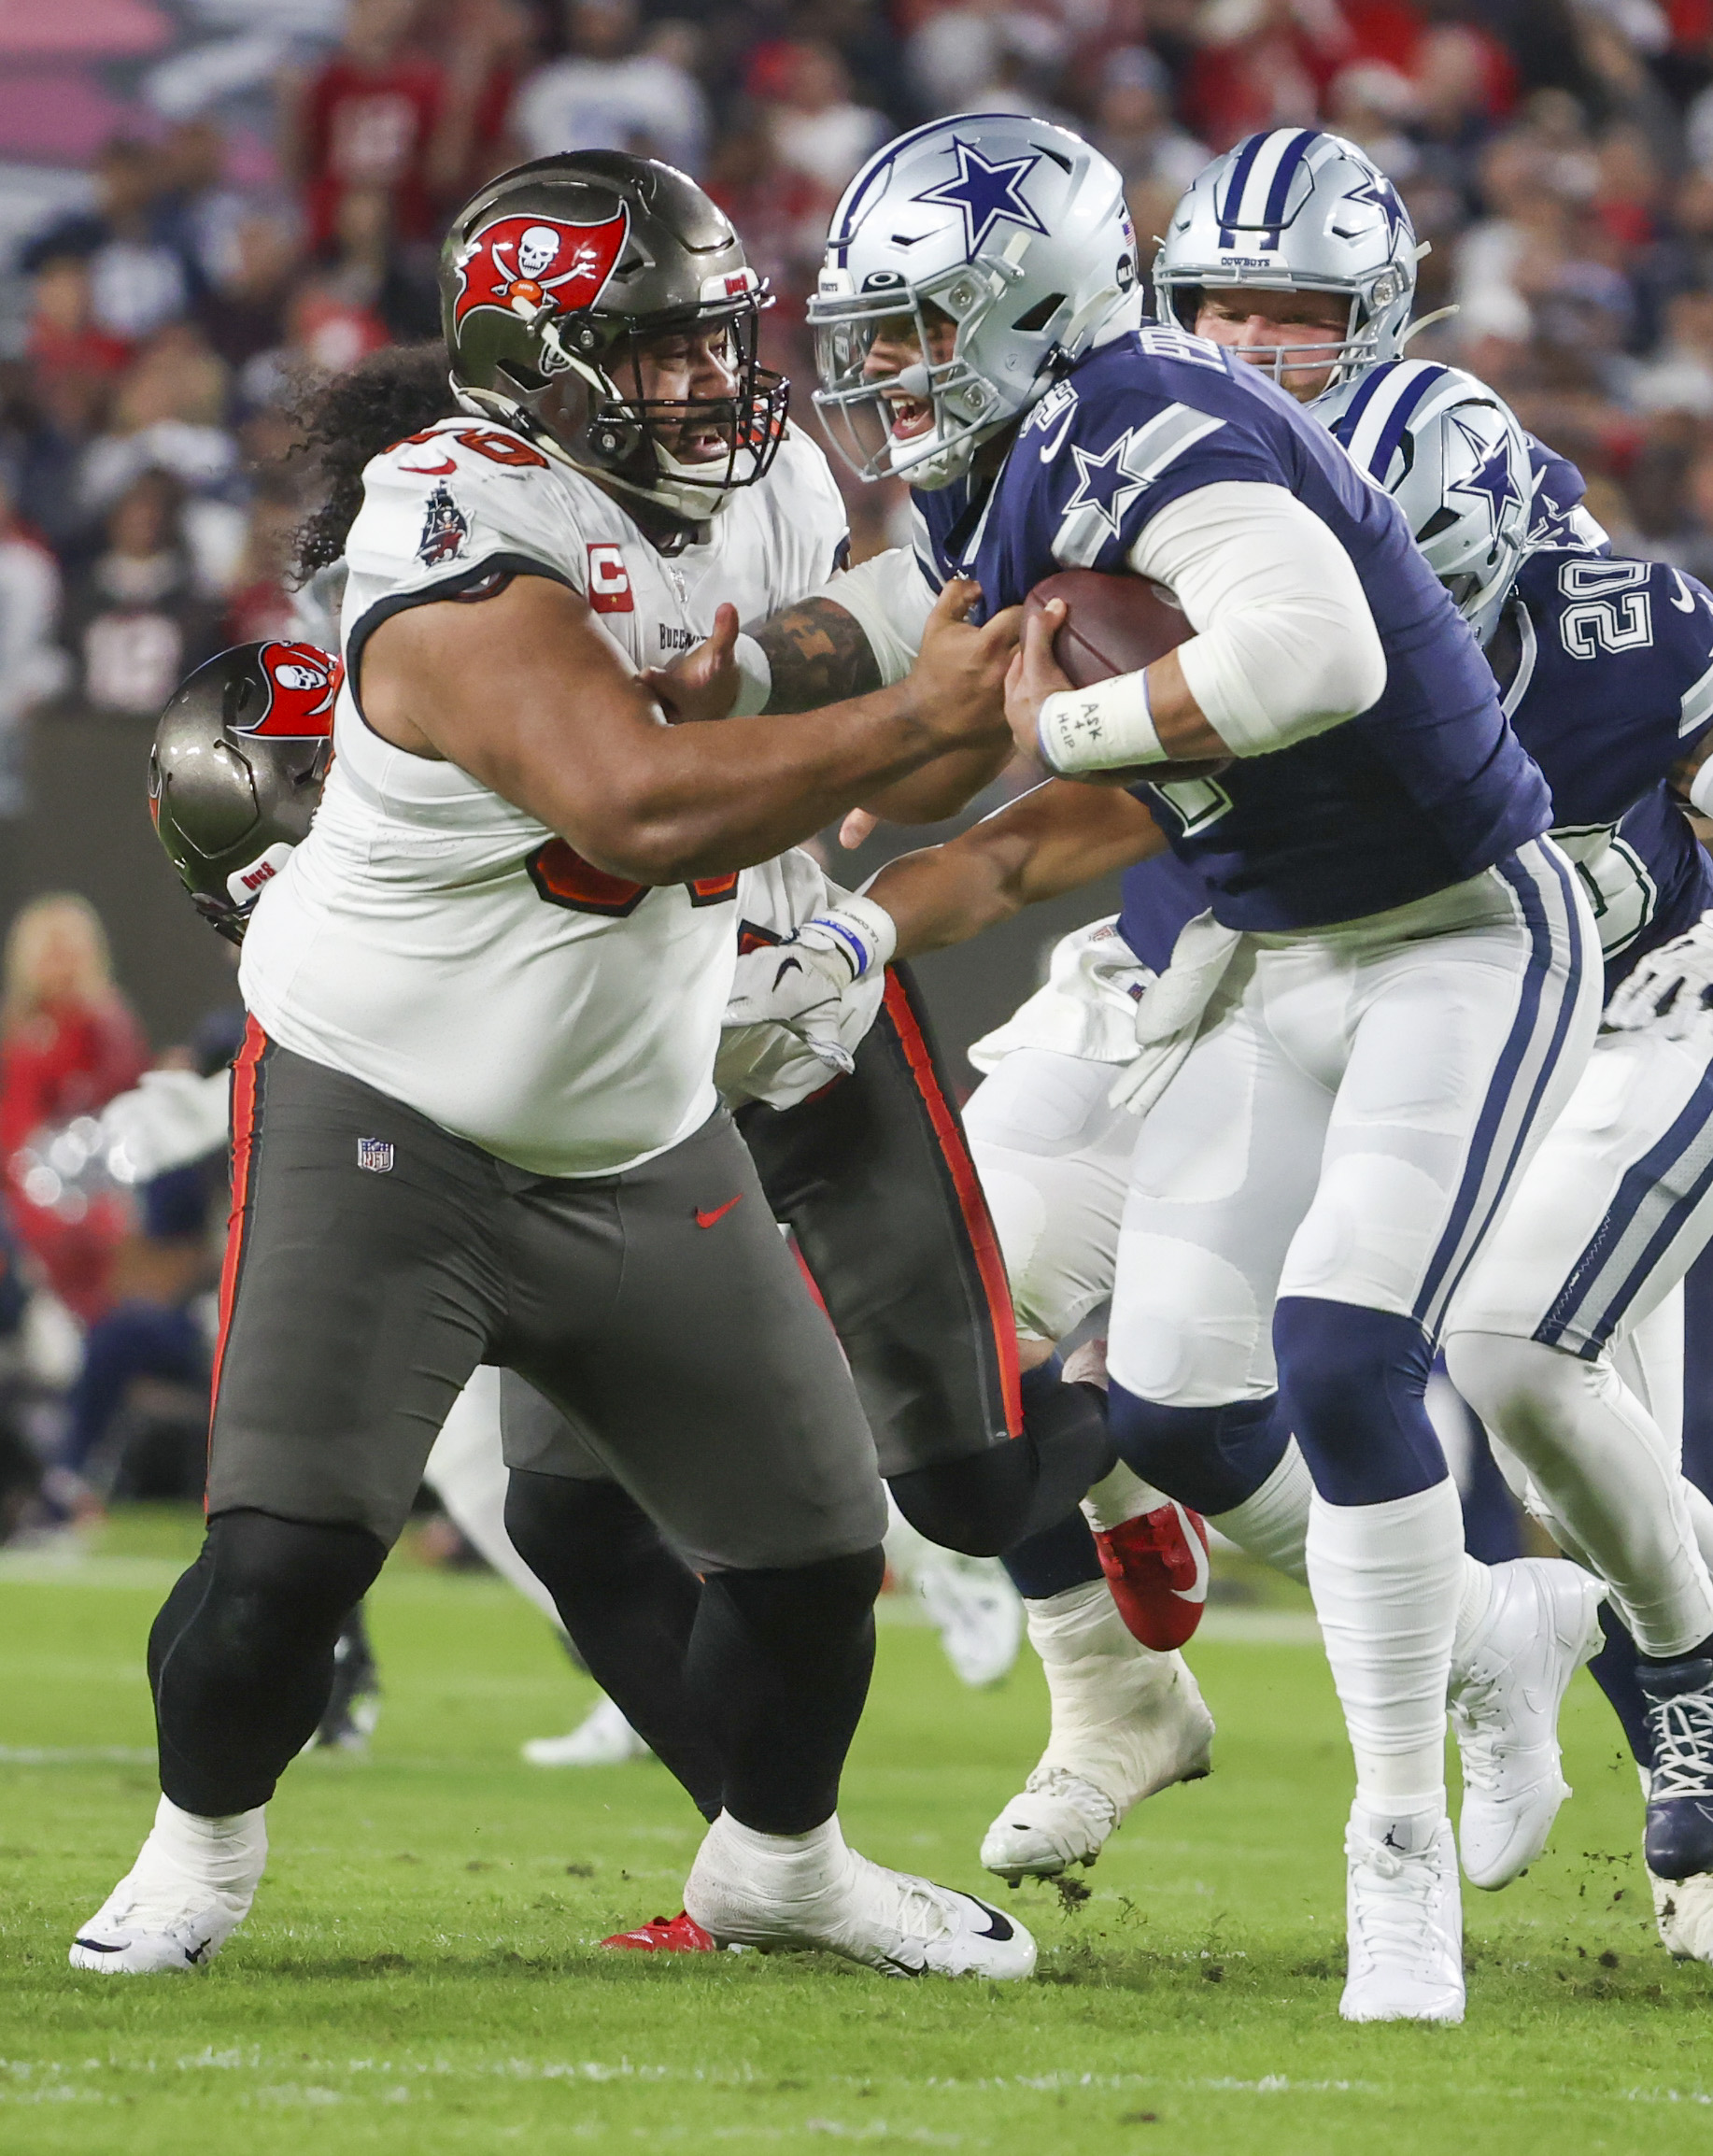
(433, 940)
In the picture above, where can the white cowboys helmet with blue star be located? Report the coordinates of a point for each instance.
(1011, 230)
(1454, 458)
(1295, 210)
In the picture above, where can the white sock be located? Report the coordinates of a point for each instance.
(226, 1853)
(782, 1868)
(1273, 1525)
(1080, 1621)
(1120, 1497)
(1603, 1471)
(1473, 1602)
(1385, 1580)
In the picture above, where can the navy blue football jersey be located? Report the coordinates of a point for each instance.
(1609, 671)
(1425, 788)
(1613, 683)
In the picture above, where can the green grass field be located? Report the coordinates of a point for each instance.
(419, 1973)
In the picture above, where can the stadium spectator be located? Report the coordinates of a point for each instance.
(367, 120)
(137, 619)
(68, 1044)
(142, 273)
(608, 92)
(32, 664)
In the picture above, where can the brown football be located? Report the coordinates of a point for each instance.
(1117, 625)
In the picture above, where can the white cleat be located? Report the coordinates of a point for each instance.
(1126, 1723)
(1544, 1624)
(888, 1920)
(976, 1610)
(166, 1915)
(1405, 1922)
(602, 1738)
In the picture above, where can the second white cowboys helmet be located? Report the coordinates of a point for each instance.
(1295, 210)
(1015, 232)
(1453, 456)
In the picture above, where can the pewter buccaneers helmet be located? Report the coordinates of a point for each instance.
(551, 275)
(1295, 210)
(1454, 458)
(1014, 229)
(235, 772)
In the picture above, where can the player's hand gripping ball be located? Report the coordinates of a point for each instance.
(1113, 625)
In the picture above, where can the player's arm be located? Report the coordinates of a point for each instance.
(817, 652)
(524, 691)
(1052, 841)
(1285, 644)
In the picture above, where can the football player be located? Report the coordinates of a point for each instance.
(475, 1118)
(1344, 1064)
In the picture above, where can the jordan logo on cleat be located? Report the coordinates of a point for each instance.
(1388, 1842)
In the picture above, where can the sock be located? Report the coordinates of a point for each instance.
(1273, 1525)
(1386, 1579)
(778, 1868)
(1120, 1497)
(226, 1853)
(1602, 1468)
(1613, 1669)
(1473, 1602)
(1059, 1558)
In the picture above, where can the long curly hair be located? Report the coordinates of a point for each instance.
(346, 421)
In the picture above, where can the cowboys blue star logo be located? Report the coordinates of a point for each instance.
(1103, 485)
(986, 192)
(1493, 479)
(1380, 193)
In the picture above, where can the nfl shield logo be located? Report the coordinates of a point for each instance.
(375, 1154)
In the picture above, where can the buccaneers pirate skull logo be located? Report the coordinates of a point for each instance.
(524, 263)
(303, 683)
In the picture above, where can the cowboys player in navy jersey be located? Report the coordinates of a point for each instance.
(1374, 882)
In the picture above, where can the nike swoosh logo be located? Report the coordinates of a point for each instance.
(1198, 1591)
(194, 1955)
(719, 1211)
(787, 966)
(98, 1946)
(1681, 599)
(1001, 1928)
(430, 470)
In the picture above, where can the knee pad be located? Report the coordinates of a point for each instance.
(806, 1606)
(1353, 1383)
(975, 1504)
(294, 1579)
(1211, 1459)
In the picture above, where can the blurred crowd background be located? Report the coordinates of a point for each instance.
(203, 202)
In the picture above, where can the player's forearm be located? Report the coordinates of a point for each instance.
(1052, 842)
(938, 789)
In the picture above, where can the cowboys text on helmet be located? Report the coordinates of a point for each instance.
(1295, 210)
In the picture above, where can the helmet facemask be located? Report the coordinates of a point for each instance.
(860, 409)
(1358, 350)
(587, 404)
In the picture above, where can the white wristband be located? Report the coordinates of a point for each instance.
(756, 684)
(865, 933)
(1701, 789)
(1099, 729)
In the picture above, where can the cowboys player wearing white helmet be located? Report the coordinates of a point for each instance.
(971, 269)
(474, 1117)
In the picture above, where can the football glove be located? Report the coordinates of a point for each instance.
(814, 969)
(1671, 989)
(172, 1119)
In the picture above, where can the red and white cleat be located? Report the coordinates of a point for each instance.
(1156, 1566)
(679, 1934)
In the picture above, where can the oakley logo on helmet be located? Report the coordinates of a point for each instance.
(523, 263)
(302, 683)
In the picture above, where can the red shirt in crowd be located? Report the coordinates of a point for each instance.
(67, 1060)
(370, 128)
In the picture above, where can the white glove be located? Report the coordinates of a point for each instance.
(172, 1119)
(809, 974)
(1671, 991)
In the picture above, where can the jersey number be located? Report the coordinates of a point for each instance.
(564, 878)
(498, 448)
(1197, 802)
(1610, 614)
(1616, 881)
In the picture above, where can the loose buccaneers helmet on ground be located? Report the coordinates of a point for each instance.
(235, 772)
(553, 275)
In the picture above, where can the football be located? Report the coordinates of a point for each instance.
(1117, 625)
